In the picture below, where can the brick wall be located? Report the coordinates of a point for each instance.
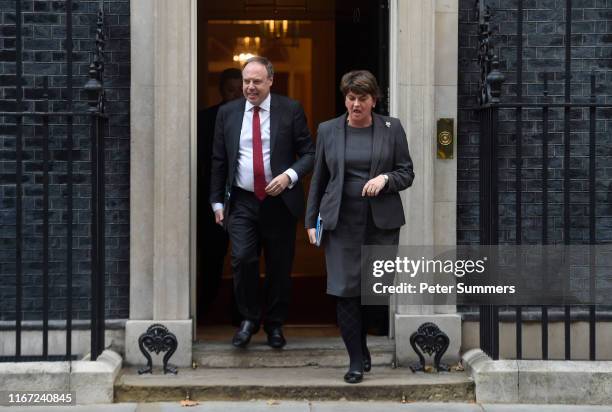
(44, 54)
(43, 30)
(543, 51)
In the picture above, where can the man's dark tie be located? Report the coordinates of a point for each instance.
(259, 176)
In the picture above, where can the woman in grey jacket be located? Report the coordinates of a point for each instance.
(362, 161)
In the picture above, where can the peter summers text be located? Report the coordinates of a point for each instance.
(437, 288)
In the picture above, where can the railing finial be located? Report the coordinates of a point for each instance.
(489, 63)
(494, 80)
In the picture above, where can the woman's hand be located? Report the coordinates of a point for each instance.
(374, 186)
(312, 235)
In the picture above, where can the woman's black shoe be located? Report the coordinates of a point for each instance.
(353, 377)
(367, 364)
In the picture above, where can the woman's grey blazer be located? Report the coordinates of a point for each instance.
(390, 156)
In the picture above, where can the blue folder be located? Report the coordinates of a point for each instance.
(319, 230)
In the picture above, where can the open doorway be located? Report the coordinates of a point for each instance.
(311, 44)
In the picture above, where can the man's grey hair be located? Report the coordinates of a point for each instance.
(261, 60)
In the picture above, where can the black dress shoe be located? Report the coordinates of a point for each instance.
(242, 337)
(276, 338)
(367, 364)
(353, 377)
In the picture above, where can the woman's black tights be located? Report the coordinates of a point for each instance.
(353, 329)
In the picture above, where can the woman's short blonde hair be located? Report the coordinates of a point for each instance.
(360, 82)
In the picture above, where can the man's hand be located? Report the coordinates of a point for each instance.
(312, 235)
(374, 186)
(219, 217)
(278, 185)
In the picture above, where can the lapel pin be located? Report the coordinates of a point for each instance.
(388, 124)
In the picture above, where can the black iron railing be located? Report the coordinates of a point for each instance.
(94, 90)
(490, 108)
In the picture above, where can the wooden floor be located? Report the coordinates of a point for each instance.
(310, 305)
(222, 333)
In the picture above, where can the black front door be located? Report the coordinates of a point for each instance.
(362, 42)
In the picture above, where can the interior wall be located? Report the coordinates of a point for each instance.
(302, 69)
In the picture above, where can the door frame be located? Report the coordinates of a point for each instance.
(193, 215)
(393, 105)
(393, 111)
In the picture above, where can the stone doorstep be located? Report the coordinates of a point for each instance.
(310, 383)
(324, 352)
(539, 382)
(92, 382)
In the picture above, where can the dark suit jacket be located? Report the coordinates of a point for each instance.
(291, 146)
(390, 156)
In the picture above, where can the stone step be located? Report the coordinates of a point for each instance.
(311, 383)
(299, 352)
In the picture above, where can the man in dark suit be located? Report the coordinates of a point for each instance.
(212, 240)
(262, 149)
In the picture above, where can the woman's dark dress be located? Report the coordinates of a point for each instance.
(355, 226)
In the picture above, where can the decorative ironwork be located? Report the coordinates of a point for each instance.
(158, 339)
(94, 89)
(491, 78)
(430, 340)
(30, 114)
(95, 85)
(546, 111)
